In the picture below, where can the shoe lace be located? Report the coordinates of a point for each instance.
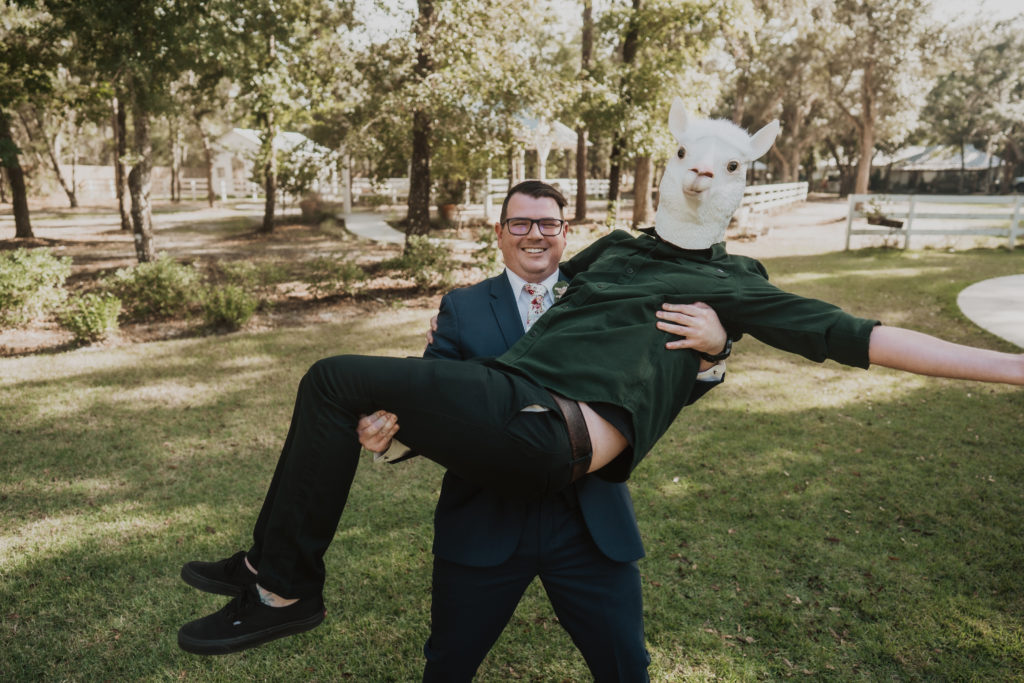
(241, 604)
(231, 565)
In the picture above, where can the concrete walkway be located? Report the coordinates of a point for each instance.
(997, 305)
(372, 226)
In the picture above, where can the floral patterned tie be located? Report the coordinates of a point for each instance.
(537, 304)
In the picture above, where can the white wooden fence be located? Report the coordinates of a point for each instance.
(193, 189)
(760, 198)
(936, 215)
(596, 187)
(396, 189)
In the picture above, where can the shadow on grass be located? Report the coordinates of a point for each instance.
(877, 538)
(159, 455)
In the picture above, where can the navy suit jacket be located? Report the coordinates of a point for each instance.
(474, 526)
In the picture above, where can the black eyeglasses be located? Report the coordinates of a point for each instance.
(549, 227)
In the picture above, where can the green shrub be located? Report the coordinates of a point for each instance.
(486, 253)
(31, 284)
(159, 289)
(429, 264)
(259, 278)
(374, 200)
(228, 306)
(328, 276)
(91, 317)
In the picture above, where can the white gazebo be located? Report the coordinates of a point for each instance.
(540, 135)
(235, 156)
(544, 137)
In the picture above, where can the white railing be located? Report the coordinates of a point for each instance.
(758, 198)
(396, 189)
(596, 187)
(906, 215)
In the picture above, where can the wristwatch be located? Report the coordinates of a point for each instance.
(718, 356)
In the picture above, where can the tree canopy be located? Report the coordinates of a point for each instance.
(438, 89)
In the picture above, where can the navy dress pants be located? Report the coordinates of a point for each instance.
(596, 599)
(465, 416)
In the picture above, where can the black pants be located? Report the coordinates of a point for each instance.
(463, 415)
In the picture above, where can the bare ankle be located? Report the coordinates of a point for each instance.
(273, 599)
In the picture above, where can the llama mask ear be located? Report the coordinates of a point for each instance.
(762, 140)
(678, 119)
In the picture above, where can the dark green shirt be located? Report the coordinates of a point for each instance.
(598, 342)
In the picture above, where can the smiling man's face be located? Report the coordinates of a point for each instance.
(533, 256)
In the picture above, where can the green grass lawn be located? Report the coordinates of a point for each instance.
(806, 521)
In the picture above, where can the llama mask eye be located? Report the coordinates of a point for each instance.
(732, 166)
(681, 153)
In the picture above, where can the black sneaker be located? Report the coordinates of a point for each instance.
(246, 622)
(226, 577)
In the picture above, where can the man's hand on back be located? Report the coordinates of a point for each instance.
(432, 330)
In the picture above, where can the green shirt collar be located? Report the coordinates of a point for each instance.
(713, 253)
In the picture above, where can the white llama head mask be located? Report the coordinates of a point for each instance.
(704, 181)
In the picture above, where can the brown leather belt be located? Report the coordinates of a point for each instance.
(579, 436)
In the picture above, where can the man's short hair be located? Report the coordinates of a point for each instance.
(536, 189)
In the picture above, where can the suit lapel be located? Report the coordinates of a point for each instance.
(506, 313)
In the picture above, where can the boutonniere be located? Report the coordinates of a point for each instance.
(559, 289)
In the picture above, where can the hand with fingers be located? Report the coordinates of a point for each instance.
(377, 430)
(432, 330)
(696, 325)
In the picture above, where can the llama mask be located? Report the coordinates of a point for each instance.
(703, 182)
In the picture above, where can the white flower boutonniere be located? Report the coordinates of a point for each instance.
(559, 289)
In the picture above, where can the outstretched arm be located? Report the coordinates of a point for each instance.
(902, 349)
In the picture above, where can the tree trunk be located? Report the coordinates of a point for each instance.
(119, 122)
(3, 185)
(615, 169)
(53, 153)
(419, 167)
(581, 175)
(867, 132)
(140, 184)
(208, 159)
(643, 208)
(419, 176)
(19, 195)
(586, 54)
(630, 45)
(177, 153)
(270, 158)
(269, 172)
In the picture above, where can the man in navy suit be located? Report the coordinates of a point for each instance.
(583, 542)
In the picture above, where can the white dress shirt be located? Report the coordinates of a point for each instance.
(523, 298)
